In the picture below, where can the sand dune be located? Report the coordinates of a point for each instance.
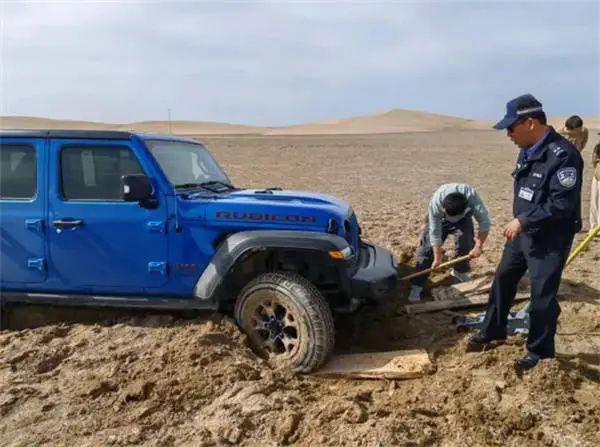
(175, 127)
(192, 128)
(31, 122)
(392, 121)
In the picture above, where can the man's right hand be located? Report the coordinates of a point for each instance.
(512, 229)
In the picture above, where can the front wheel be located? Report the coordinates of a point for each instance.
(287, 321)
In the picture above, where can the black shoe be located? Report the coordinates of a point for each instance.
(527, 362)
(481, 342)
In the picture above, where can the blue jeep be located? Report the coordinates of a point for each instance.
(104, 218)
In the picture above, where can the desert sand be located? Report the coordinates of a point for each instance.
(174, 127)
(115, 379)
(390, 121)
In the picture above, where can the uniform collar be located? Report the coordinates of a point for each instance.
(536, 151)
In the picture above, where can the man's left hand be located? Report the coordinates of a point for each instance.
(475, 252)
(512, 229)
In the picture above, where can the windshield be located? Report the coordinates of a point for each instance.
(186, 163)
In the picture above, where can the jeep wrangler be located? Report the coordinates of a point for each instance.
(106, 218)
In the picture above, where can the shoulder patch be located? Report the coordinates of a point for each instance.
(557, 150)
(567, 177)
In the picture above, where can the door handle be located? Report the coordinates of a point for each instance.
(67, 223)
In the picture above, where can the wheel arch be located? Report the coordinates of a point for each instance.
(240, 246)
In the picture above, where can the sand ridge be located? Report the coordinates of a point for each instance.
(391, 121)
(163, 127)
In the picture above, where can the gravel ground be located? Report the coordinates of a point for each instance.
(122, 379)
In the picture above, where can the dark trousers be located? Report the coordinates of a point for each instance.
(464, 241)
(545, 258)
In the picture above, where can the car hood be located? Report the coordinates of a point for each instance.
(264, 209)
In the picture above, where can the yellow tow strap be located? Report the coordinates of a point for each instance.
(592, 233)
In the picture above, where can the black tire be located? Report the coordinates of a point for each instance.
(287, 321)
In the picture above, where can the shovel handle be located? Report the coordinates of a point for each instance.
(439, 267)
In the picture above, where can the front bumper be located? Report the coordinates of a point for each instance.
(374, 278)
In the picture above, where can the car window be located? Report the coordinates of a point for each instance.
(184, 162)
(18, 171)
(94, 173)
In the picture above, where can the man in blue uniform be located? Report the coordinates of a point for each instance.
(547, 214)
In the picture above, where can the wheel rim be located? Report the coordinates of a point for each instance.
(274, 328)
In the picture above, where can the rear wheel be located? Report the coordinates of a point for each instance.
(287, 321)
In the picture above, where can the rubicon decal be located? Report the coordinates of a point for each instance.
(265, 217)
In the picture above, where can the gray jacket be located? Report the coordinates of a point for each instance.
(436, 211)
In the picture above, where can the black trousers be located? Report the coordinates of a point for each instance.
(464, 241)
(545, 257)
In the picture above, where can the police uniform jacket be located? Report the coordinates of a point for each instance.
(547, 188)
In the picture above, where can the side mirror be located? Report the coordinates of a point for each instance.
(136, 188)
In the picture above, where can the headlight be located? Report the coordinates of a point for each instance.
(341, 254)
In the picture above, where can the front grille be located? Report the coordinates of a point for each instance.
(348, 230)
(332, 226)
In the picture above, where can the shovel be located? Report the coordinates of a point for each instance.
(439, 267)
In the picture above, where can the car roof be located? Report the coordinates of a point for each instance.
(91, 134)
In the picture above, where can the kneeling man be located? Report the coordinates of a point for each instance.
(451, 212)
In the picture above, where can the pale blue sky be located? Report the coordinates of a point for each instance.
(286, 63)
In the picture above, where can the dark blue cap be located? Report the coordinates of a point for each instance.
(517, 108)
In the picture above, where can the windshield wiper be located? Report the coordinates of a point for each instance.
(216, 183)
(213, 186)
(189, 185)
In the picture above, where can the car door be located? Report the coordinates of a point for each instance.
(99, 242)
(22, 209)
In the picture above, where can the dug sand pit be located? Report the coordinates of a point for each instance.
(161, 381)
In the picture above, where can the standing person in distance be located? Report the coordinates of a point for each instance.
(575, 132)
(595, 195)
